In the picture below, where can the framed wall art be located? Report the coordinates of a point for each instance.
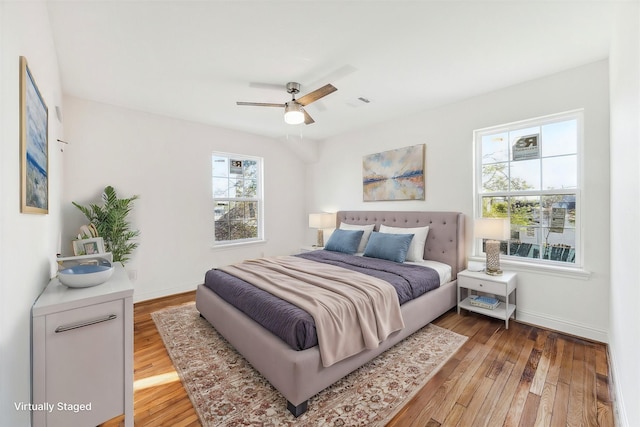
(394, 175)
(34, 145)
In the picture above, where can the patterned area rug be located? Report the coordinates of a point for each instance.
(226, 391)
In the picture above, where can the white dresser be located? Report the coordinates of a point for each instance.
(82, 353)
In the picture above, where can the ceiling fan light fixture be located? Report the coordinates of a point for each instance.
(293, 113)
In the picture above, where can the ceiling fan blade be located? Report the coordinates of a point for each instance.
(260, 104)
(316, 94)
(307, 118)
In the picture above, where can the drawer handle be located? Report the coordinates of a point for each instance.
(72, 326)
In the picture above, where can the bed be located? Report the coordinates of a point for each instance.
(300, 374)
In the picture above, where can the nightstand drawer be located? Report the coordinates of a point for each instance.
(482, 285)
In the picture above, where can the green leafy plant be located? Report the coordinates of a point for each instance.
(110, 219)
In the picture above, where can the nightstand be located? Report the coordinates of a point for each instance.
(503, 287)
(310, 248)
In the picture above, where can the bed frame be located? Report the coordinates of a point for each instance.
(299, 375)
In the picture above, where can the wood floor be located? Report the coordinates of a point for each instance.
(523, 376)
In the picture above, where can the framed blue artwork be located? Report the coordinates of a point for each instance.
(394, 175)
(34, 146)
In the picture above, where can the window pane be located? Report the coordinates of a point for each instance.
(220, 209)
(251, 210)
(222, 232)
(560, 138)
(220, 188)
(236, 187)
(495, 177)
(525, 211)
(559, 231)
(525, 227)
(525, 242)
(250, 188)
(561, 208)
(515, 135)
(495, 207)
(220, 166)
(560, 172)
(495, 148)
(250, 230)
(525, 175)
(236, 210)
(235, 168)
(250, 169)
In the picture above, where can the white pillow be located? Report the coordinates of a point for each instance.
(368, 229)
(416, 249)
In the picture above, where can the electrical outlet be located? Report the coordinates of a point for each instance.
(133, 275)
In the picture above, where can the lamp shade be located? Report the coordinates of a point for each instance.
(322, 220)
(293, 113)
(491, 228)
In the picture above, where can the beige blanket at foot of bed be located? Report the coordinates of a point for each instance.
(352, 311)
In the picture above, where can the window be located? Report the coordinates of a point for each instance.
(529, 172)
(237, 198)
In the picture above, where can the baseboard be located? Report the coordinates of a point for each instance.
(185, 287)
(619, 411)
(563, 325)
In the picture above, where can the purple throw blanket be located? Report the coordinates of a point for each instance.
(294, 325)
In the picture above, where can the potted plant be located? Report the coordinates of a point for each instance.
(110, 220)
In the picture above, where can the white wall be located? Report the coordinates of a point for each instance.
(625, 206)
(567, 303)
(167, 162)
(28, 243)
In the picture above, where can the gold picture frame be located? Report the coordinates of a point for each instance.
(34, 145)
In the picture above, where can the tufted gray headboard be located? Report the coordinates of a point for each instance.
(445, 242)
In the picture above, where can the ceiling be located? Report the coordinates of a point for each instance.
(193, 60)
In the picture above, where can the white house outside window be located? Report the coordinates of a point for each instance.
(530, 173)
(237, 198)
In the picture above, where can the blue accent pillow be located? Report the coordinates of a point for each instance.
(392, 247)
(346, 241)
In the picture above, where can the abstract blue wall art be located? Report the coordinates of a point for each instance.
(394, 175)
(34, 146)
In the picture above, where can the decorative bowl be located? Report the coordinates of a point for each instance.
(85, 275)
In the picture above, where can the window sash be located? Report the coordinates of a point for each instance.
(515, 252)
(247, 223)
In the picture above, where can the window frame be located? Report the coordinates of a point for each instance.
(259, 199)
(479, 194)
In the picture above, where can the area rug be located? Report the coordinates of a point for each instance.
(226, 391)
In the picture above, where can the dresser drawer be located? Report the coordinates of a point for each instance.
(85, 364)
(482, 285)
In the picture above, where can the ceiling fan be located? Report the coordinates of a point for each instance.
(294, 112)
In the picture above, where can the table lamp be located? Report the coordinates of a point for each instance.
(494, 230)
(321, 221)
